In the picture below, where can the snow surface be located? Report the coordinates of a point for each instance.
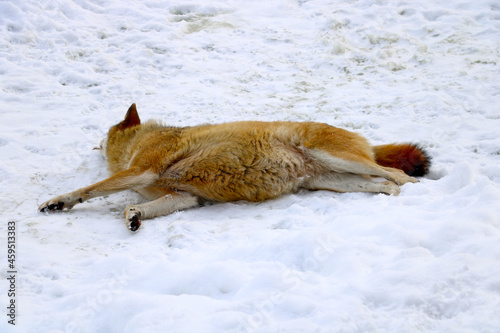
(392, 70)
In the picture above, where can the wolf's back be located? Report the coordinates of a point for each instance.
(410, 158)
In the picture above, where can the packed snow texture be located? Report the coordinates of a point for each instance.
(425, 71)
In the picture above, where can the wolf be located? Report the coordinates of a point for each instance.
(182, 167)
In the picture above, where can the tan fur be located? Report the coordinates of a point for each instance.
(253, 161)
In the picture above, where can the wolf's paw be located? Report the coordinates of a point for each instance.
(391, 188)
(413, 180)
(133, 218)
(62, 202)
(401, 178)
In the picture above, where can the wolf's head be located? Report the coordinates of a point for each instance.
(114, 144)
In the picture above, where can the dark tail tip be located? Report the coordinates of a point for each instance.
(410, 158)
(420, 160)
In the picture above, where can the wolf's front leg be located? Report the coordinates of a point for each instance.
(128, 179)
(162, 206)
(61, 202)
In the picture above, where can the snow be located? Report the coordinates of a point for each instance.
(393, 71)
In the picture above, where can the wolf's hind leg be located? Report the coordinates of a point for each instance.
(344, 182)
(361, 166)
(163, 206)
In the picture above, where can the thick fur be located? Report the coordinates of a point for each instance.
(177, 168)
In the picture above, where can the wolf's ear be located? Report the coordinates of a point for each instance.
(131, 118)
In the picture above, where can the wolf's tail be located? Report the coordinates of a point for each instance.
(410, 158)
